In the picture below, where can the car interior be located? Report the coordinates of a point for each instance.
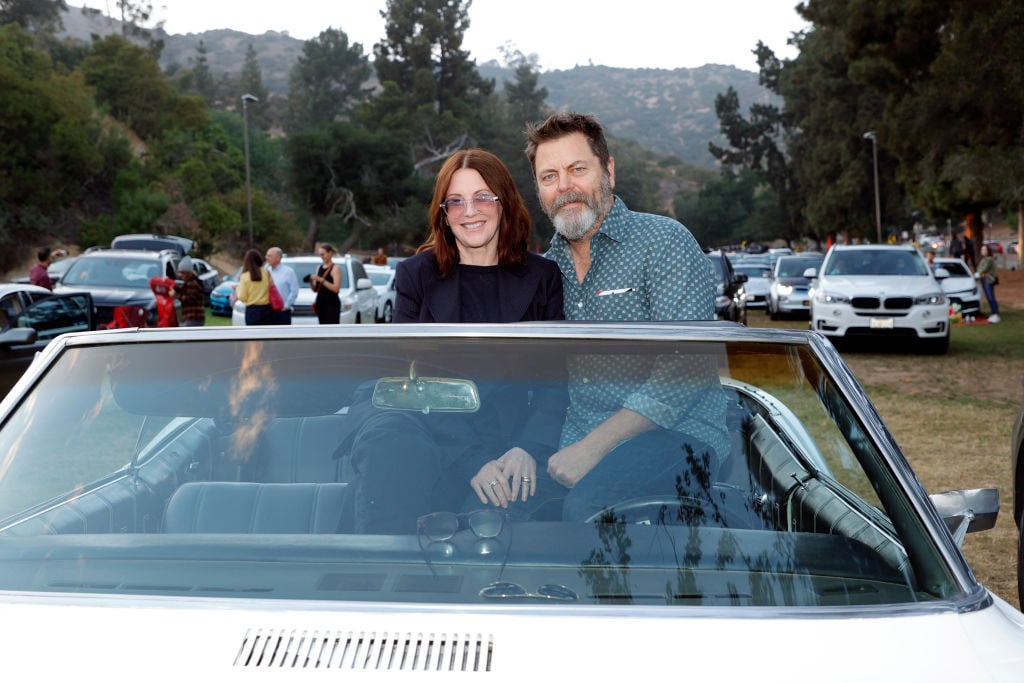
(250, 450)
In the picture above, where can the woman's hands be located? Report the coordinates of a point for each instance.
(510, 477)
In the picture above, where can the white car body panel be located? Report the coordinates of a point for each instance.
(58, 639)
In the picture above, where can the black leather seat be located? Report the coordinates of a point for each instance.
(244, 507)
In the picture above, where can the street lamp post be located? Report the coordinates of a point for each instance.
(246, 99)
(870, 135)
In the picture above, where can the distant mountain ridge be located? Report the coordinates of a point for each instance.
(670, 111)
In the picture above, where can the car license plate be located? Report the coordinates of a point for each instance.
(806, 302)
(881, 323)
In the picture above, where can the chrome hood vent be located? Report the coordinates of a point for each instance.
(283, 649)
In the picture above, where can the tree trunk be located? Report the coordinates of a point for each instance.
(1020, 234)
(312, 232)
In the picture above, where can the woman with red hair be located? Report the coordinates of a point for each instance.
(474, 268)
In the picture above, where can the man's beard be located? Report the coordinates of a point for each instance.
(576, 223)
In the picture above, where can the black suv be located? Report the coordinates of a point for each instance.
(727, 301)
(118, 280)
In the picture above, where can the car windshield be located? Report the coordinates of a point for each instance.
(753, 271)
(112, 271)
(379, 277)
(240, 466)
(876, 262)
(795, 267)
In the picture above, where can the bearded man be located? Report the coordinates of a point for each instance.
(629, 431)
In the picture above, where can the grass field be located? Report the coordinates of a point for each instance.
(952, 415)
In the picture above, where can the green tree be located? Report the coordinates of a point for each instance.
(251, 83)
(58, 157)
(346, 173)
(327, 82)
(957, 132)
(128, 80)
(203, 83)
(33, 15)
(443, 99)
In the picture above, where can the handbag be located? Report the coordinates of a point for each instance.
(276, 302)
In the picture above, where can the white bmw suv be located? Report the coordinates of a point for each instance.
(879, 291)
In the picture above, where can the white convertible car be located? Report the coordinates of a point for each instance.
(177, 505)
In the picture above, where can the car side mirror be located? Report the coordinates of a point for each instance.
(967, 510)
(941, 273)
(17, 336)
(811, 273)
(364, 283)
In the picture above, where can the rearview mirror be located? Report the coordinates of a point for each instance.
(426, 394)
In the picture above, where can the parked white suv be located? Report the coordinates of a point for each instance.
(358, 297)
(879, 291)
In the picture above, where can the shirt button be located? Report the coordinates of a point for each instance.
(579, 305)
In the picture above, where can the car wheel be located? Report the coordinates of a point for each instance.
(388, 313)
(937, 347)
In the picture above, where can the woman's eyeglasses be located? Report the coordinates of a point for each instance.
(442, 526)
(456, 206)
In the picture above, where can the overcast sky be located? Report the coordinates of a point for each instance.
(665, 34)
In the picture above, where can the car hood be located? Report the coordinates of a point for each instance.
(958, 284)
(115, 296)
(197, 639)
(878, 285)
(758, 285)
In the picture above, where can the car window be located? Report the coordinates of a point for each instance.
(380, 277)
(111, 271)
(205, 460)
(56, 315)
(753, 271)
(955, 269)
(795, 267)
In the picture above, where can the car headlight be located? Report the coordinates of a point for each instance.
(830, 298)
(785, 290)
(347, 304)
(933, 299)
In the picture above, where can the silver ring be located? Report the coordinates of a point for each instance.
(493, 483)
(526, 480)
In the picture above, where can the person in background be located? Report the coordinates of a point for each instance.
(474, 268)
(286, 282)
(326, 282)
(625, 436)
(380, 258)
(191, 294)
(163, 290)
(37, 274)
(988, 279)
(930, 256)
(254, 290)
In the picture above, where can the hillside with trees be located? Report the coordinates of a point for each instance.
(133, 130)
